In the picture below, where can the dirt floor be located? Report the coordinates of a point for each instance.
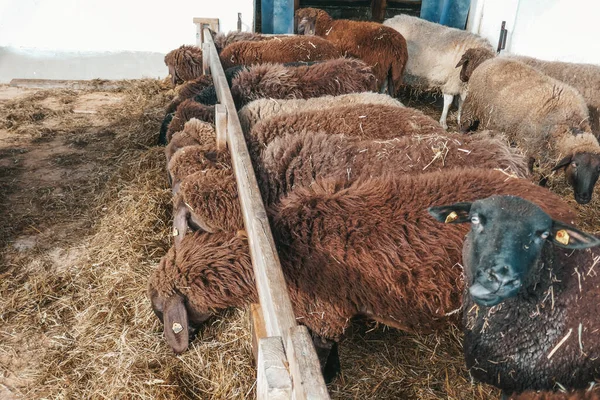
(85, 209)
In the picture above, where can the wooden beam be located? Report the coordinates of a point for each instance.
(257, 325)
(201, 23)
(304, 363)
(270, 282)
(278, 313)
(221, 126)
(206, 58)
(378, 10)
(273, 380)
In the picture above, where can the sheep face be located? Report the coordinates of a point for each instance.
(306, 26)
(581, 172)
(506, 240)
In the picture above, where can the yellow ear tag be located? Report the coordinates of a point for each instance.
(453, 216)
(562, 237)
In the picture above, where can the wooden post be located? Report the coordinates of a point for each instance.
(304, 363)
(378, 10)
(221, 126)
(206, 58)
(272, 380)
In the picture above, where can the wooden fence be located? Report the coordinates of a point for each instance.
(287, 364)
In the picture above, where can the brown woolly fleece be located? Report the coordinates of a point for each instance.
(195, 132)
(366, 121)
(261, 109)
(223, 40)
(583, 77)
(298, 159)
(576, 395)
(211, 198)
(188, 90)
(546, 118)
(187, 110)
(191, 159)
(281, 50)
(381, 47)
(185, 63)
(333, 77)
(373, 241)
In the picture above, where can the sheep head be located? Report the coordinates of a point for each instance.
(507, 237)
(312, 21)
(581, 172)
(471, 59)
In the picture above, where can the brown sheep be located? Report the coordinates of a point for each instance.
(548, 119)
(184, 63)
(262, 109)
(191, 159)
(223, 40)
(332, 77)
(280, 50)
(195, 132)
(381, 47)
(296, 160)
(187, 110)
(368, 121)
(188, 90)
(203, 199)
(372, 241)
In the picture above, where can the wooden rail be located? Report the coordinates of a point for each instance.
(287, 346)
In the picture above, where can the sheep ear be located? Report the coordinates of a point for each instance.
(563, 163)
(569, 237)
(176, 326)
(462, 61)
(452, 214)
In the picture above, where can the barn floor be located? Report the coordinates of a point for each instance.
(85, 210)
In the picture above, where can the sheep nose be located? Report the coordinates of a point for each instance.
(583, 198)
(501, 275)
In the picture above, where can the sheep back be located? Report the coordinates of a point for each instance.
(333, 77)
(532, 108)
(195, 132)
(184, 63)
(279, 50)
(262, 109)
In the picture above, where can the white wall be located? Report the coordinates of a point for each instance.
(55, 29)
(565, 30)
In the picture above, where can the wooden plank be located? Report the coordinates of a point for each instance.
(201, 24)
(273, 379)
(257, 325)
(304, 366)
(64, 84)
(206, 58)
(275, 302)
(221, 126)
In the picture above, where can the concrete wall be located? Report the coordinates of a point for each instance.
(565, 30)
(107, 39)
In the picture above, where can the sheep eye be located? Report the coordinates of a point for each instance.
(574, 164)
(545, 235)
(475, 220)
(525, 247)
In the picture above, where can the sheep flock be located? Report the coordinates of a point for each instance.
(353, 182)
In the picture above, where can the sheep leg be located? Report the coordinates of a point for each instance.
(384, 87)
(447, 102)
(329, 358)
(461, 100)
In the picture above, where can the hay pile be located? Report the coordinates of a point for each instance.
(74, 318)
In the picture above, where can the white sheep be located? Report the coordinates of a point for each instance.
(433, 52)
